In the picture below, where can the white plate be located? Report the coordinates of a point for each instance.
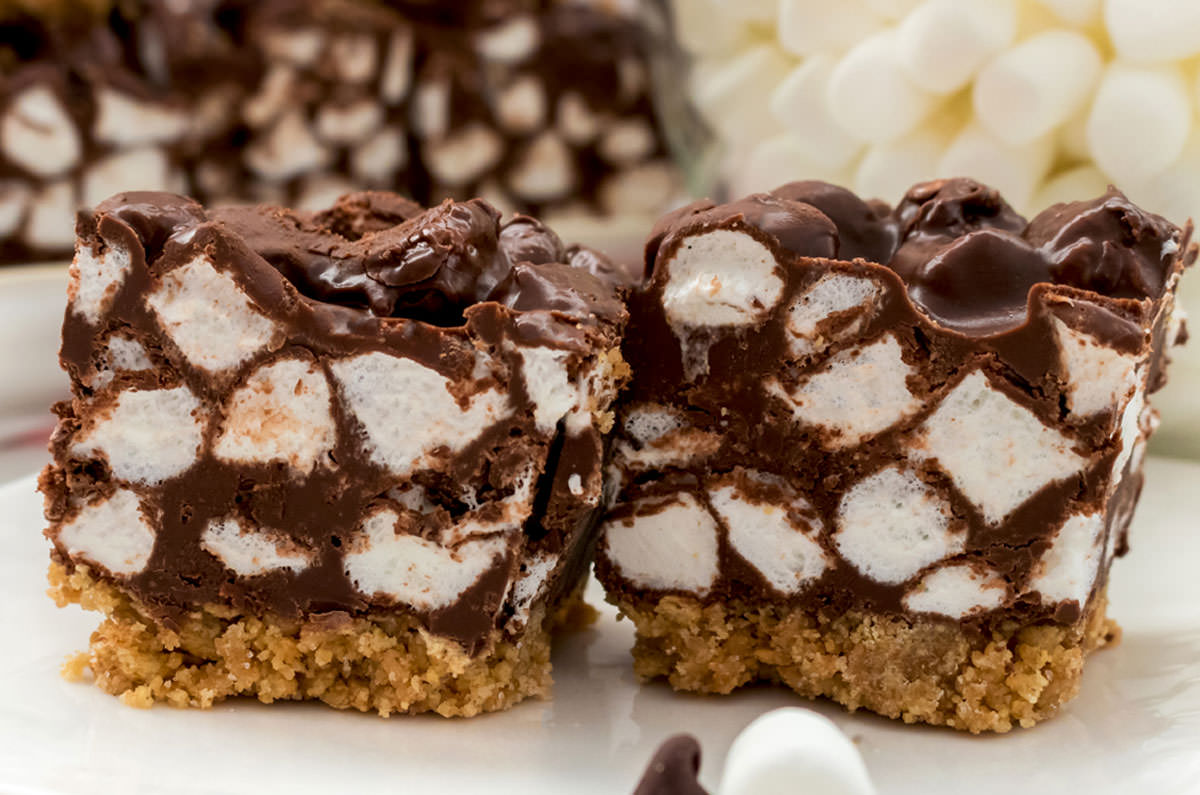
(1134, 729)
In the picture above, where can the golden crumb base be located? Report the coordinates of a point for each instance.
(920, 670)
(385, 663)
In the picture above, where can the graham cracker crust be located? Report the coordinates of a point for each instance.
(920, 670)
(385, 663)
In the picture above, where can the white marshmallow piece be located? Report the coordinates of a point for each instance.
(521, 105)
(414, 571)
(463, 156)
(549, 386)
(531, 584)
(407, 410)
(1069, 186)
(1098, 377)
(956, 591)
(943, 43)
(890, 525)
(997, 452)
(354, 57)
(142, 169)
(378, 158)
(113, 534)
(95, 280)
(832, 294)
(347, 124)
(247, 552)
(14, 196)
(861, 392)
(281, 413)
(807, 27)
(128, 121)
(1153, 30)
(396, 75)
(51, 219)
(788, 557)
(37, 134)
(544, 171)
(801, 103)
(1030, 89)
(735, 95)
(1140, 120)
(790, 750)
(1015, 171)
(721, 278)
(148, 436)
(889, 168)
(760, 168)
(1068, 568)
(1079, 13)
(673, 548)
(287, 150)
(209, 318)
(510, 41)
(871, 96)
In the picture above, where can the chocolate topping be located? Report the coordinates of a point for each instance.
(968, 259)
(674, 769)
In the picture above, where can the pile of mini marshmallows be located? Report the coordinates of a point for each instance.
(1047, 100)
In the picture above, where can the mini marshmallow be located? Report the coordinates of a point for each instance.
(956, 591)
(1130, 428)
(704, 26)
(320, 191)
(113, 533)
(512, 40)
(787, 556)
(121, 354)
(148, 436)
(209, 318)
(147, 167)
(521, 106)
(429, 113)
(871, 96)
(791, 750)
(50, 221)
(1068, 568)
(549, 385)
(576, 121)
(807, 27)
(943, 43)
(463, 156)
(95, 280)
(642, 190)
(1075, 12)
(1097, 377)
(396, 75)
(415, 571)
(673, 548)
(721, 278)
(889, 168)
(1032, 88)
(1140, 121)
(780, 154)
(1015, 171)
(832, 294)
(283, 412)
(378, 388)
(288, 150)
(1153, 30)
(381, 156)
(890, 525)
(275, 94)
(860, 393)
(1068, 186)
(37, 133)
(997, 452)
(127, 121)
(544, 171)
(354, 57)
(299, 46)
(736, 94)
(627, 141)
(347, 124)
(14, 196)
(248, 553)
(531, 584)
(801, 103)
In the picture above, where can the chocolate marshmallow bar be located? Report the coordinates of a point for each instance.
(352, 455)
(887, 456)
(542, 106)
